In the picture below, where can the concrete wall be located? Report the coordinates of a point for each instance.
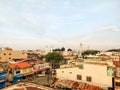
(7, 55)
(97, 72)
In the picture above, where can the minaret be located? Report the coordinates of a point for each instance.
(46, 50)
(51, 49)
(81, 49)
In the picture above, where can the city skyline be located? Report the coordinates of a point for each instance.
(35, 24)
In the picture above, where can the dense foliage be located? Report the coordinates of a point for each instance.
(90, 52)
(53, 57)
(113, 50)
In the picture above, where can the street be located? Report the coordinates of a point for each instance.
(40, 80)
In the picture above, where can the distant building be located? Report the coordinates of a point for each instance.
(80, 52)
(7, 54)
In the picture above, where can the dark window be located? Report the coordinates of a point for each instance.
(117, 83)
(0, 57)
(17, 72)
(9, 58)
(9, 53)
(70, 72)
(88, 78)
(10, 71)
(62, 71)
(79, 77)
(81, 66)
(4, 53)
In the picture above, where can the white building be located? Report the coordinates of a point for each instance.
(91, 73)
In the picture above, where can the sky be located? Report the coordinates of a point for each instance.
(36, 24)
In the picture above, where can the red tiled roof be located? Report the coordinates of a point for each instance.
(20, 65)
(13, 66)
(23, 65)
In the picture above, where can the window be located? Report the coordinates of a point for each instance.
(70, 72)
(81, 66)
(23, 53)
(117, 83)
(9, 58)
(4, 54)
(17, 72)
(0, 57)
(110, 71)
(118, 72)
(79, 77)
(10, 71)
(88, 78)
(62, 71)
(9, 53)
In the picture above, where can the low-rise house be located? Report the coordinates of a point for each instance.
(19, 71)
(41, 67)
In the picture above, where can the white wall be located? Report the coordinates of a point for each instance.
(97, 72)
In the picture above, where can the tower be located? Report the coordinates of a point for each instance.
(51, 49)
(81, 50)
(46, 50)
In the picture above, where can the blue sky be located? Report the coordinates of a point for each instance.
(35, 24)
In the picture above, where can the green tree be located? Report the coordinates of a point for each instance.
(92, 52)
(62, 49)
(69, 49)
(54, 58)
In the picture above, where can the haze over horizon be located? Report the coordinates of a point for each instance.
(35, 24)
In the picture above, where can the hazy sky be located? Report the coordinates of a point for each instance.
(34, 24)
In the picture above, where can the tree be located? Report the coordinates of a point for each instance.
(113, 50)
(62, 49)
(54, 58)
(69, 49)
(92, 52)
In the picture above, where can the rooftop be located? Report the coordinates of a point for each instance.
(20, 65)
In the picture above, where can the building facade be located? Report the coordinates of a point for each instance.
(8, 54)
(91, 73)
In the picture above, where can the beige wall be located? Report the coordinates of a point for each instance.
(7, 55)
(97, 72)
(26, 70)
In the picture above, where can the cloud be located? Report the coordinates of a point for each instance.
(109, 28)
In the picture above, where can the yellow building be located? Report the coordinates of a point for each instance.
(19, 70)
(8, 54)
